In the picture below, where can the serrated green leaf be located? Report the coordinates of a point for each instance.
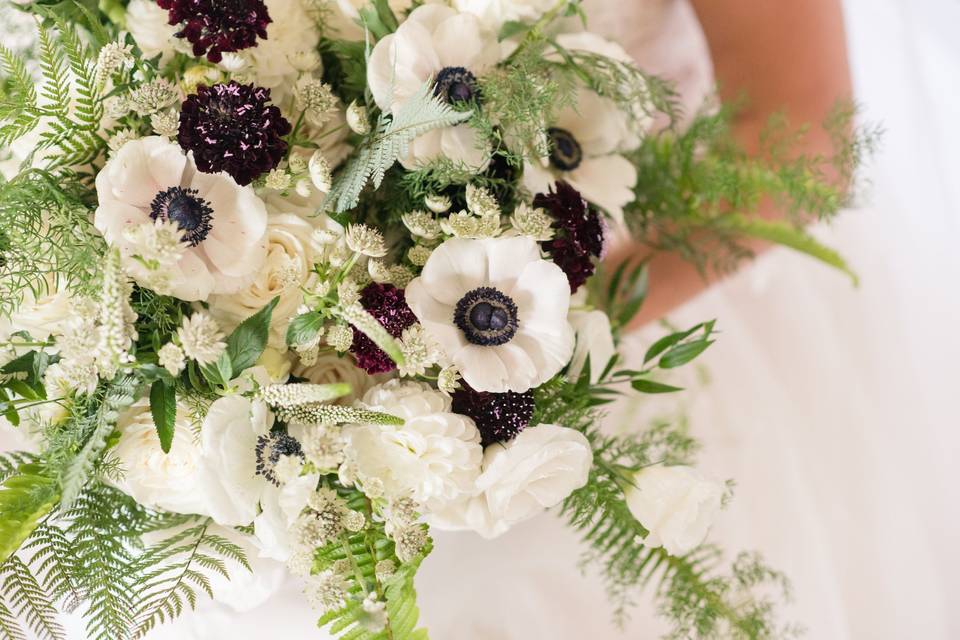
(304, 328)
(25, 498)
(249, 339)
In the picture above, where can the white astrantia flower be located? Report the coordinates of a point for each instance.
(171, 358)
(676, 505)
(436, 44)
(291, 253)
(497, 309)
(594, 340)
(533, 472)
(495, 13)
(434, 457)
(223, 223)
(288, 51)
(201, 338)
(157, 480)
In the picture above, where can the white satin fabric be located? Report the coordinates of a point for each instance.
(834, 408)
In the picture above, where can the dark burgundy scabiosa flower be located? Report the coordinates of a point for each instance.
(578, 238)
(499, 416)
(232, 127)
(216, 26)
(388, 305)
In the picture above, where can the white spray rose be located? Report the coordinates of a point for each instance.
(168, 481)
(434, 457)
(495, 13)
(594, 339)
(676, 505)
(535, 471)
(331, 369)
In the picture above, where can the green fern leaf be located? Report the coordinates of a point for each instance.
(29, 600)
(118, 397)
(389, 142)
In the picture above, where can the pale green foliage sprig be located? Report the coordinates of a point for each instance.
(698, 190)
(388, 142)
(47, 237)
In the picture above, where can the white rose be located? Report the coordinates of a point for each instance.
(287, 268)
(594, 339)
(280, 507)
(167, 481)
(149, 25)
(330, 369)
(676, 505)
(40, 316)
(434, 456)
(229, 468)
(494, 13)
(535, 471)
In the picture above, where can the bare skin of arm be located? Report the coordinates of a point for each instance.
(787, 57)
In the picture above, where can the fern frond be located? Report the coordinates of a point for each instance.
(29, 600)
(56, 81)
(118, 397)
(389, 142)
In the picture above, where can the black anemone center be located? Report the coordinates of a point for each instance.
(486, 316)
(269, 450)
(456, 85)
(191, 213)
(565, 151)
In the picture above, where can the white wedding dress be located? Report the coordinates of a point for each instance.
(834, 408)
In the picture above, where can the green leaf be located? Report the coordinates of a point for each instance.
(163, 408)
(512, 28)
(796, 238)
(649, 386)
(666, 342)
(25, 498)
(683, 353)
(248, 340)
(218, 373)
(304, 328)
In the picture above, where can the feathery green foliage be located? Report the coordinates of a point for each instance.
(26, 497)
(698, 190)
(362, 551)
(50, 240)
(388, 142)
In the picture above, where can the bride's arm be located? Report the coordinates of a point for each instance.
(788, 57)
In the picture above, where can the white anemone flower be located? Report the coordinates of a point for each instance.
(588, 137)
(497, 309)
(439, 45)
(224, 225)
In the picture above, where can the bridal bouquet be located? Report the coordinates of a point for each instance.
(299, 282)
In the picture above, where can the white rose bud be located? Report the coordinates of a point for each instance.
(357, 118)
(594, 339)
(676, 505)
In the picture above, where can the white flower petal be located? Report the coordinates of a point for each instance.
(606, 181)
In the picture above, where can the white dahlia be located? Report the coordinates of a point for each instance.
(435, 45)
(497, 309)
(433, 458)
(223, 225)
